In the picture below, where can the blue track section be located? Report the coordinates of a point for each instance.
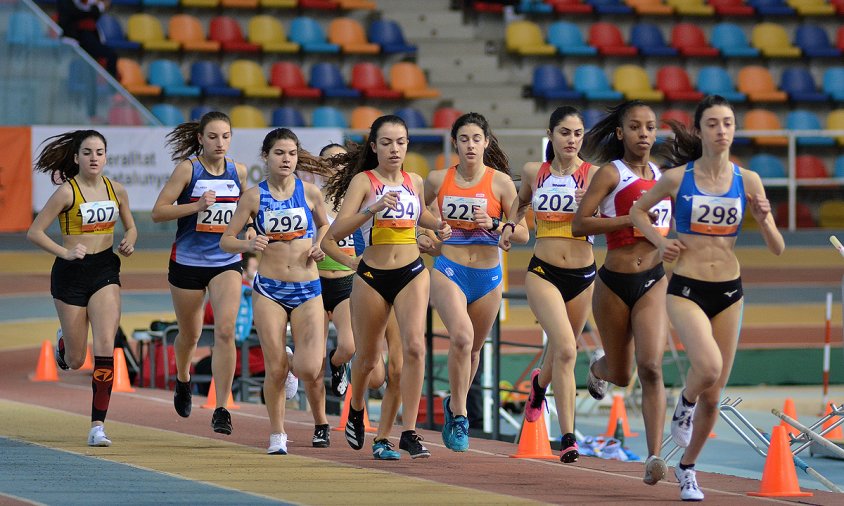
(56, 477)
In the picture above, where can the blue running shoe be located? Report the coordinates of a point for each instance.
(459, 434)
(382, 449)
(449, 420)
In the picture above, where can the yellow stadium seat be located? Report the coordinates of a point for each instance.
(247, 116)
(268, 32)
(525, 38)
(248, 76)
(691, 7)
(757, 83)
(835, 121)
(633, 81)
(187, 30)
(831, 214)
(364, 5)
(812, 7)
(772, 40)
(147, 30)
(415, 162)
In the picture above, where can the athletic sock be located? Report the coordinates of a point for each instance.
(101, 383)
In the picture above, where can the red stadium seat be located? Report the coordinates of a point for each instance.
(226, 31)
(690, 40)
(676, 85)
(368, 78)
(288, 76)
(607, 38)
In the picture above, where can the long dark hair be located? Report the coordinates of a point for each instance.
(493, 155)
(686, 145)
(559, 114)
(358, 158)
(329, 146)
(306, 162)
(56, 157)
(183, 141)
(601, 145)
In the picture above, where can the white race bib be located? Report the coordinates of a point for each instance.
(459, 212)
(554, 203)
(404, 216)
(662, 210)
(285, 224)
(100, 215)
(216, 218)
(715, 215)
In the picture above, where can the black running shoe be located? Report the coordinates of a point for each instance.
(322, 436)
(411, 442)
(339, 381)
(60, 351)
(182, 398)
(221, 421)
(355, 430)
(569, 451)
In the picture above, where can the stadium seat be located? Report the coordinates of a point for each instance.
(440, 161)
(650, 8)
(831, 214)
(350, 36)
(196, 113)
(168, 114)
(533, 7)
(328, 117)
(132, 78)
(444, 117)
(349, 5)
(833, 83)
(248, 76)
(673, 81)
(209, 76)
(633, 81)
(409, 79)
(571, 6)
(268, 32)
(226, 31)
(712, 80)
(525, 38)
(416, 163)
(678, 115)
(113, 35)
(648, 39)
(368, 79)
(812, 7)
(803, 215)
(324, 5)
(756, 82)
(363, 116)
(607, 38)
(731, 8)
(691, 8)
(610, 7)
(188, 32)
(122, 114)
(568, 40)
(592, 82)
(731, 41)
(800, 86)
(813, 41)
(690, 40)
(549, 83)
(388, 34)
(767, 166)
(810, 167)
(201, 4)
(839, 167)
(24, 28)
(835, 121)
(168, 75)
(278, 4)
(239, 4)
(771, 7)
(772, 40)
(146, 30)
(801, 119)
(591, 117)
(288, 76)
(308, 33)
(289, 117)
(761, 119)
(247, 116)
(151, 3)
(327, 78)
(414, 118)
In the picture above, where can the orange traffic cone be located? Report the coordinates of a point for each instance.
(211, 401)
(88, 365)
(836, 433)
(533, 441)
(788, 409)
(46, 368)
(344, 414)
(121, 374)
(779, 478)
(618, 411)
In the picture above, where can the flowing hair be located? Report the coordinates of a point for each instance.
(56, 158)
(686, 145)
(559, 114)
(306, 161)
(493, 155)
(600, 144)
(183, 141)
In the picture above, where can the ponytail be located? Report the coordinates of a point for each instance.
(686, 145)
(184, 139)
(601, 145)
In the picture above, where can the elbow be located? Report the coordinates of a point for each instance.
(30, 235)
(156, 215)
(577, 228)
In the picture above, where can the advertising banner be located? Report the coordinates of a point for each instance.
(15, 179)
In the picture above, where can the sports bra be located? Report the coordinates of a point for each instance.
(457, 207)
(699, 213)
(284, 220)
(390, 226)
(554, 204)
(83, 217)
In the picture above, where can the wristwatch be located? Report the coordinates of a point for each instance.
(495, 223)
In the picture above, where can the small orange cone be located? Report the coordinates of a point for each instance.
(533, 441)
(779, 478)
(121, 373)
(788, 409)
(618, 411)
(88, 365)
(211, 401)
(46, 368)
(344, 414)
(836, 433)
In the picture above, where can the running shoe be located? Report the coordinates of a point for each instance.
(655, 470)
(533, 408)
(97, 437)
(60, 351)
(689, 490)
(339, 381)
(182, 398)
(355, 430)
(221, 421)
(382, 449)
(322, 437)
(682, 422)
(278, 444)
(448, 421)
(458, 439)
(291, 384)
(569, 452)
(411, 442)
(597, 387)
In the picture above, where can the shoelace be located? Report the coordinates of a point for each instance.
(459, 429)
(685, 420)
(689, 481)
(386, 442)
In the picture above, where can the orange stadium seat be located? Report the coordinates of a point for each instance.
(525, 38)
(440, 162)
(360, 5)
(187, 30)
(247, 116)
(248, 76)
(289, 77)
(762, 119)
(351, 37)
(607, 38)
(757, 83)
(409, 79)
(363, 116)
(633, 81)
(132, 78)
(268, 32)
(147, 30)
(773, 41)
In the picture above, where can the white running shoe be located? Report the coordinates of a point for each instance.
(278, 444)
(597, 387)
(291, 384)
(97, 437)
(682, 423)
(655, 470)
(689, 490)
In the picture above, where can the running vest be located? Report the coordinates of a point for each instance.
(699, 213)
(388, 226)
(554, 204)
(198, 235)
(284, 220)
(618, 203)
(83, 217)
(457, 207)
(347, 246)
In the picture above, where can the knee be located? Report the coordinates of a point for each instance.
(564, 356)
(275, 375)
(650, 372)
(344, 351)
(74, 362)
(707, 374)
(224, 334)
(414, 350)
(461, 343)
(710, 399)
(366, 364)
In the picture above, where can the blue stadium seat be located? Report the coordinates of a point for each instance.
(771, 7)
(414, 118)
(330, 117)
(610, 7)
(168, 75)
(534, 7)
(814, 41)
(833, 83)
(593, 83)
(806, 120)
(160, 3)
(800, 86)
(648, 38)
(168, 114)
(209, 76)
(714, 80)
(767, 166)
(568, 40)
(550, 83)
(327, 77)
(115, 38)
(591, 117)
(731, 41)
(310, 36)
(838, 171)
(26, 29)
(290, 117)
(389, 36)
(196, 113)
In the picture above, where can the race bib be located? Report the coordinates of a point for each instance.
(554, 203)
(404, 216)
(216, 218)
(347, 245)
(285, 224)
(663, 218)
(100, 215)
(459, 211)
(715, 215)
